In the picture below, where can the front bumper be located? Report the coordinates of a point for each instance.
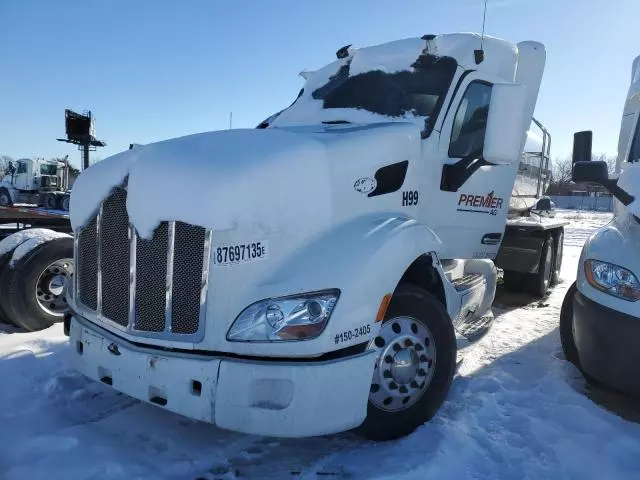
(273, 398)
(607, 343)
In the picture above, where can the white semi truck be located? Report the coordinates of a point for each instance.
(600, 316)
(36, 181)
(325, 270)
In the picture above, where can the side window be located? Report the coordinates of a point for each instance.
(470, 122)
(22, 167)
(634, 154)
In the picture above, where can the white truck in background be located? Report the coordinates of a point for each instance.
(600, 316)
(36, 181)
(326, 269)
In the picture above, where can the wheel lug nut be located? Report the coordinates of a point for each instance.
(423, 358)
(386, 374)
(394, 385)
(388, 359)
(414, 384)
(397, 347)
(422, 373)
(403, 389)
(418, 347)
(374, 388)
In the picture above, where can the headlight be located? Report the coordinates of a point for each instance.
(299, 317)
(612, 279)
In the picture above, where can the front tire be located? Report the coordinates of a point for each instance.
(5, 198)
(567, 339)
(415, 367)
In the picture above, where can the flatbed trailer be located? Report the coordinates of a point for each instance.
(20, 217)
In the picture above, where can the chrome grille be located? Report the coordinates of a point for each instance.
(114, 261)
(149, 287)
(187, 271)
(151, 283)
(87, 270)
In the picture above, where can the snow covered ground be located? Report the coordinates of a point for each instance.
(516, 411)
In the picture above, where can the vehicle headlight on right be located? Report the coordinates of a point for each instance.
(612, 279)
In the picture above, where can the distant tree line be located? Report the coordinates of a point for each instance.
(561, 183)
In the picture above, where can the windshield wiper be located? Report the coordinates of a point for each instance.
(336, 122)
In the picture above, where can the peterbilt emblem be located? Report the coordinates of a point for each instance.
(365, 185)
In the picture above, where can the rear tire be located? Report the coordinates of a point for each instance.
(422, 368)
(64, 203)
(51, 201)
(22, 284)
(539, 283)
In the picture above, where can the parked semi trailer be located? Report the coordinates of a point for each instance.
(326, 270)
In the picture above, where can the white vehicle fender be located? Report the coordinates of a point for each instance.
(365, 259)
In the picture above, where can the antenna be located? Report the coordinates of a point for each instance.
(479, 54)
(230, 120)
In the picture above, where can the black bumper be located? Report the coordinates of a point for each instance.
(608, 344)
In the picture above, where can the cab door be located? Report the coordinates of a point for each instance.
(472, 198)
(23, 177)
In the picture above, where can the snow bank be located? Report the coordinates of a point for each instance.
(235, 179)
(25, 241)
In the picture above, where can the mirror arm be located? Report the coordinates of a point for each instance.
(619, 193)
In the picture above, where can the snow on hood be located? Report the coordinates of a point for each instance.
(244, 179)
(629, 181)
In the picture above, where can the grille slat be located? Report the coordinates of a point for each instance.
(187, 273)
(114, 261)
(88, 265)
(152, 288)
(151, 277)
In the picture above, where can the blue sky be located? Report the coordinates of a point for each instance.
(151, 70)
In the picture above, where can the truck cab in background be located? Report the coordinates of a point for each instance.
(326, 269)
(36, 181)
(600, 317)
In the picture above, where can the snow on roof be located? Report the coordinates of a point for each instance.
(243, 179)
(391, 57)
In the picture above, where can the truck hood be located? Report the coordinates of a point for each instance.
(267, 180)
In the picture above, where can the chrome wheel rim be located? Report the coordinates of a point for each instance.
(405, 365)
(51, 287)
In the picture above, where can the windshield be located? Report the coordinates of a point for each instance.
(414, 94)
(48, 169)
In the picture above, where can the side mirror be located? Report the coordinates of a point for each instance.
(590, 172)
(505, 124)
(582, 144)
